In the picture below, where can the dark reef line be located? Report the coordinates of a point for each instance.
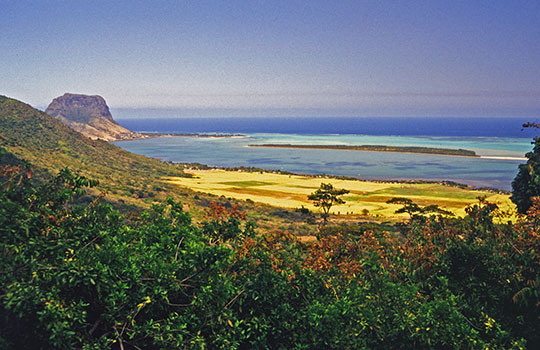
(381, 148)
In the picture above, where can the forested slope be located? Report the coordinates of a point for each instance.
(48, 144)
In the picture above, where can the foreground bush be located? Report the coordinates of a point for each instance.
(84, 276)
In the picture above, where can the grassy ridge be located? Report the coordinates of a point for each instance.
(381, 148)
(130, 181)
(47, 143)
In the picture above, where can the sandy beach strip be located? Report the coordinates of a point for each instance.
(504, 158)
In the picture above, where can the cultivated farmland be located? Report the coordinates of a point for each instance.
(365, 197)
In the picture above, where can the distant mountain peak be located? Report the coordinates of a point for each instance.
(90, 116)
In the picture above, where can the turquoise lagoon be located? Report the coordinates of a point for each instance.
(496, 167)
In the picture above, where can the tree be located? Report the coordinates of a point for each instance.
(414, 210)
(409, 206)
(325, 197)
(526, 184)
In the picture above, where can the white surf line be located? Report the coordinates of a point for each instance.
(503, 158)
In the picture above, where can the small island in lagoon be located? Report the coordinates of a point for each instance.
(381, 148)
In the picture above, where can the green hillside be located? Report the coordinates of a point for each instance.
(47, 143)
(27, 134)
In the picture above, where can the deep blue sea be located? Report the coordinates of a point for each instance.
(406, 126)
(500, 142)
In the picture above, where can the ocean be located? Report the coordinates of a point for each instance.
(500, 142)
(405, 126)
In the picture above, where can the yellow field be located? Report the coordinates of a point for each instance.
(291, 191)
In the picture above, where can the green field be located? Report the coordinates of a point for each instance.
(291, 191)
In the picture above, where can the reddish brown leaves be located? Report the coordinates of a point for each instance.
(220, 212)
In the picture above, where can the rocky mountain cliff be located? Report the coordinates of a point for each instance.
(90, 116)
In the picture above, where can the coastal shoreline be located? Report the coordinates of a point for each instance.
(382, 180)
(151, 135)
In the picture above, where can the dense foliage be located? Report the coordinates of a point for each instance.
(526, 185)
(83, 276)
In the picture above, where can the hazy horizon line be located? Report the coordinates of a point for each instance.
(185, 113)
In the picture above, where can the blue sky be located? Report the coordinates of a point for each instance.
(248, 58)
